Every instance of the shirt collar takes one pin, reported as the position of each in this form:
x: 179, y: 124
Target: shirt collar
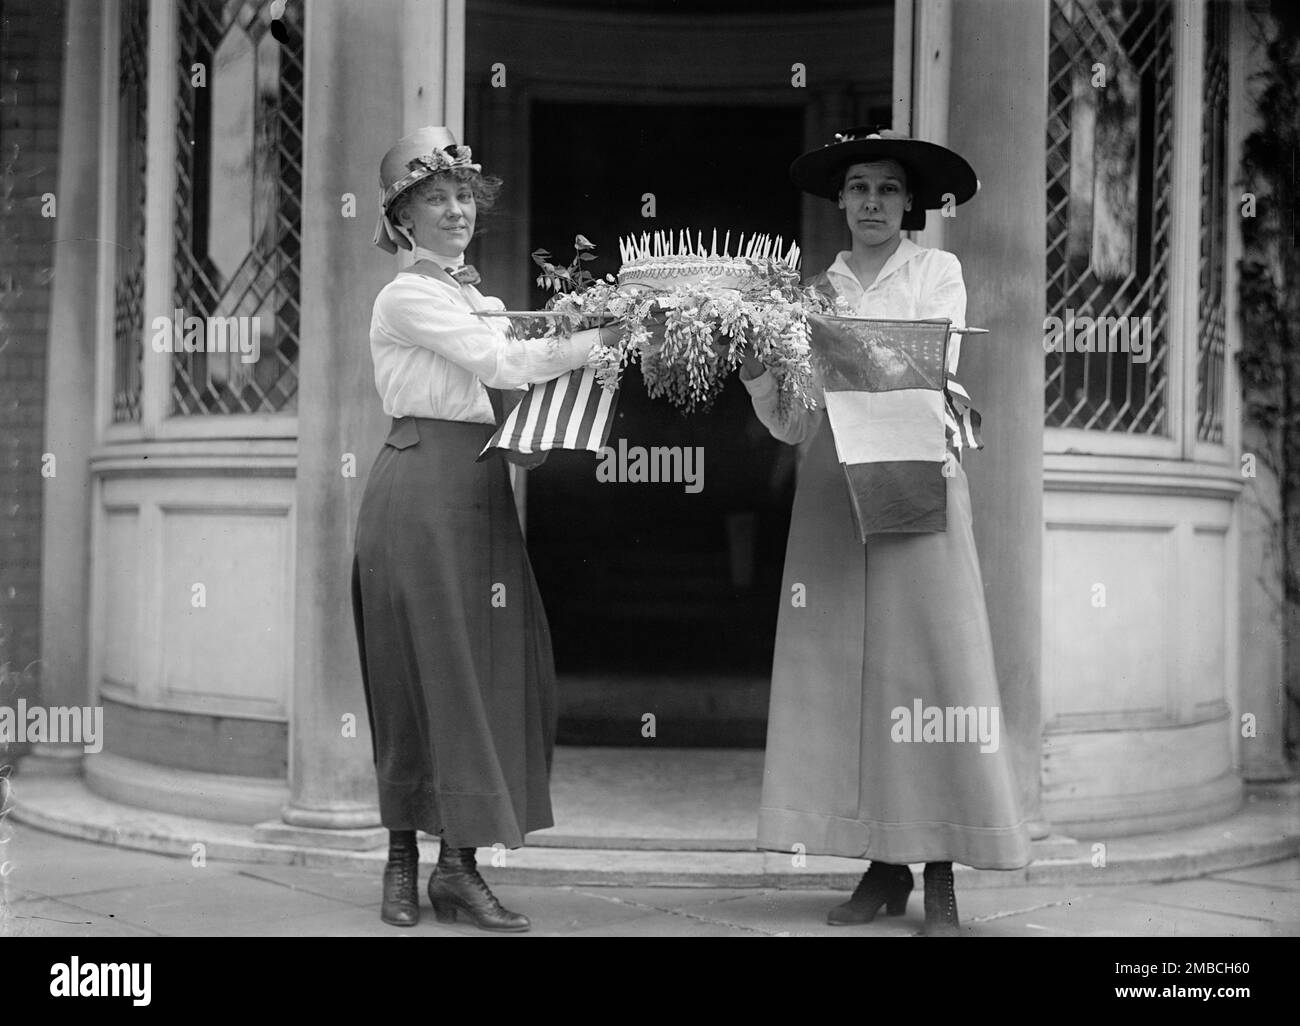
x: 442, y: 261
x: 906, y: 250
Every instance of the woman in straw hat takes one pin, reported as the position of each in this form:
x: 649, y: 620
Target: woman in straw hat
x: 897, y: 621
x: 455, y: 650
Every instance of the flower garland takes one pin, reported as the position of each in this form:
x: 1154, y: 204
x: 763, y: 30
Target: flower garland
x: 689, y: 338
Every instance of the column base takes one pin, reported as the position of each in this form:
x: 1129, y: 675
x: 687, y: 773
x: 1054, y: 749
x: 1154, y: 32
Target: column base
x: 1273, y: 787
x: 347, y: 839
x: 350, y: 827
x: 1278, y: 771
x: 1039, y: 828
x: 351, y: 816
x: 51, y: 760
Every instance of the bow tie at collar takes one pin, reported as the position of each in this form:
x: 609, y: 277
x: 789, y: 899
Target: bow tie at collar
x: 464, y: 275
x: 461, y: 272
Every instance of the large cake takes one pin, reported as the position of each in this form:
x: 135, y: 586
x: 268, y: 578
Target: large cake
x: 665, y: 261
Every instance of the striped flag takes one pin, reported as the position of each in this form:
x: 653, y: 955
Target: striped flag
x: 894, y: 412
x: 963, y: 420
x: 568, y: 412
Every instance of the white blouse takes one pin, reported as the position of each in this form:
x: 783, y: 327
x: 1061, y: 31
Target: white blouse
x: 433, y: 356
x: 915, y: 284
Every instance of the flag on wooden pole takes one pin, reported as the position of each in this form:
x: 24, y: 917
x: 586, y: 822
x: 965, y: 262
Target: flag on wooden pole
x: 569, y: 412
x: 894, y: 412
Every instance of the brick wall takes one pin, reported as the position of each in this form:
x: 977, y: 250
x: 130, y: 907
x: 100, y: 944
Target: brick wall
x: 31, y: 66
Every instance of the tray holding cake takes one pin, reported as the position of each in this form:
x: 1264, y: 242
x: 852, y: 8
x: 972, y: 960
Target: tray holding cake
x: 690, y: 308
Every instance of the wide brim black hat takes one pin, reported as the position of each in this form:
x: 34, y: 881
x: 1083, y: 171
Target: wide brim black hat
x: 933, y: 171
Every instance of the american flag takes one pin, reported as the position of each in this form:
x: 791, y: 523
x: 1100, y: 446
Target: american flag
x: 894, y: 413
x: 569, y: 412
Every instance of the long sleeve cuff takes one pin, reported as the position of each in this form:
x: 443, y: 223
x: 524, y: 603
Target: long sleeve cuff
x: 761, y: 387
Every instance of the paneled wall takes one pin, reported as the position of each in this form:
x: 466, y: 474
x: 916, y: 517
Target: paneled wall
x: 1138, y: 692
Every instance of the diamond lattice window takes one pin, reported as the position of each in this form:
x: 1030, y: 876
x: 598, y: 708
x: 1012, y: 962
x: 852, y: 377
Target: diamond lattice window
x: 128, y: 286
x: 1214, y: 198
x: 1109, y: 153
x: 238, y: 205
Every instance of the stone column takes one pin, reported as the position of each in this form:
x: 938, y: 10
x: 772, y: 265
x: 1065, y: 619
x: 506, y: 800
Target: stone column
x: 340, y: 421
x: 70, y: 428
x: 356, y: 106
x: 997, y: 120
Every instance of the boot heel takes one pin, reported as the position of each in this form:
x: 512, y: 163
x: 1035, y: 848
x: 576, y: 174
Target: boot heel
x: 896, y: 906
x: 444, y: 913
x: 456, y: 890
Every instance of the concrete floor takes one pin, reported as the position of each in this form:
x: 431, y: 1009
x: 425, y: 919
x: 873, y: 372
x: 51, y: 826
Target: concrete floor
x: 63, y: 887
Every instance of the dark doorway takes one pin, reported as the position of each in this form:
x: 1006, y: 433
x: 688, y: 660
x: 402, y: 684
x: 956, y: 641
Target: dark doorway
x: 662, y: 601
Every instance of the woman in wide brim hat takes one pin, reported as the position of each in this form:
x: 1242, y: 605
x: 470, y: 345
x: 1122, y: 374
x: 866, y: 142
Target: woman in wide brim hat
x: 898, y: 620
x: 936, y: 176
x: 455, y: 649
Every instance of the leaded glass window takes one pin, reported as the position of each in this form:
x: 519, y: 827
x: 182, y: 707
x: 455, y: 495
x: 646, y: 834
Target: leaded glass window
x: 128, y: 288
x: 238, y: 203
x: 1109, y: 157
x: 1214, y: 170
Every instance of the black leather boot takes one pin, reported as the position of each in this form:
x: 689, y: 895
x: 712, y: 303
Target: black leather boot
x: 456, y: 889
x: 882, y: 884
x: 940, y: 901
x: 401, y: 880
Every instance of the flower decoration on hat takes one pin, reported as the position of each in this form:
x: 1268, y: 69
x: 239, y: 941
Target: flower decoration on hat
x: 866, y: 132
x: 444, y: 160
x: 440, y: 161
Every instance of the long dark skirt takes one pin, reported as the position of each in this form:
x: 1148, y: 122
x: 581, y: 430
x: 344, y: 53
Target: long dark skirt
x: 455, y: 648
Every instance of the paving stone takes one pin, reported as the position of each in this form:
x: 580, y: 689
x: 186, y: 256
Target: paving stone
x: 664, y: 924
x: 1108, y: 916
x: 346, y: 922
x: 364, y: 889
x: 59, y: 867
x: 1273, y: 874
x: 48, y: 917
x: 207, y: 903
x: 560, y: 910
x: 801, y: 913
x: 1266, y: 903
x: 668, y: 898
